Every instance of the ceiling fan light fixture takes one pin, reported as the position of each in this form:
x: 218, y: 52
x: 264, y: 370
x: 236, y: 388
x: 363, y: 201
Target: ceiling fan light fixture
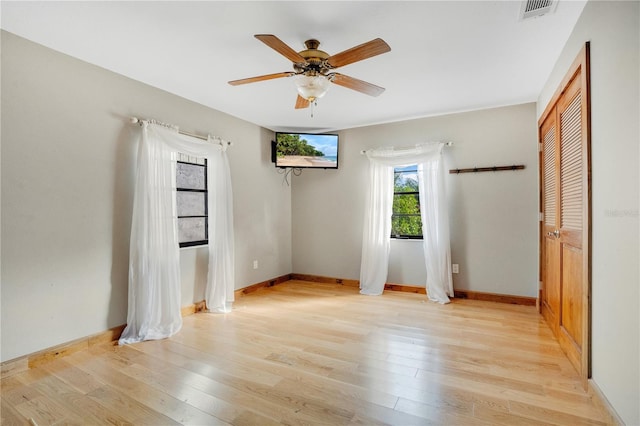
x: 312, y: 87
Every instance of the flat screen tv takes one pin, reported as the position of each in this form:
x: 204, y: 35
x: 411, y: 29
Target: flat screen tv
x: 304, y: 150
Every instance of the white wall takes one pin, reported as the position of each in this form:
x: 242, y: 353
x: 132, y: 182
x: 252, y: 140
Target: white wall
x: 613, y: 28
x: 67, y: 179
x: 493, y: 215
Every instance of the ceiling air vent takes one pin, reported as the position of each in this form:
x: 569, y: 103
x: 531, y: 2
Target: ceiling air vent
x: 535, y: 8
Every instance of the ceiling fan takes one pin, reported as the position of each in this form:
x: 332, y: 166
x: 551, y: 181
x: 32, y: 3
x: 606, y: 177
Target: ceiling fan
x: 313, y: 68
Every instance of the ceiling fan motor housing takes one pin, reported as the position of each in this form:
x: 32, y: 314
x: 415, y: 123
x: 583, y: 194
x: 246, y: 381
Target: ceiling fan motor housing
x: 316, y: 60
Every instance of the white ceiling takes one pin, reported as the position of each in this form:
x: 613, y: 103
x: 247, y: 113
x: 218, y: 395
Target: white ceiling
x: 445, y: 56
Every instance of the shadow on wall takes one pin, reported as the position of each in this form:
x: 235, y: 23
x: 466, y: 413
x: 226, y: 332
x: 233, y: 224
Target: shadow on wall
x: 457, y: 222
x: 123, y: 189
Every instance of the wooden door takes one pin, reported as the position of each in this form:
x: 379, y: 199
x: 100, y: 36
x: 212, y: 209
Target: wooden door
x: 550, y: 249
x: 565, y: 220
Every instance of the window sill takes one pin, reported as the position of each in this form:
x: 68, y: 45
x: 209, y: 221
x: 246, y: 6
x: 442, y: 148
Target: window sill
x: 194, y: 247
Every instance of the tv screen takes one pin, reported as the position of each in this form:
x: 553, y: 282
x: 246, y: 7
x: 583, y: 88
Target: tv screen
x: 303, y: 150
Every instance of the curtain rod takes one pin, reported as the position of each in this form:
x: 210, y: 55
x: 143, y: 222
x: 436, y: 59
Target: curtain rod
x: 449, y: 143
x: 136, y: 120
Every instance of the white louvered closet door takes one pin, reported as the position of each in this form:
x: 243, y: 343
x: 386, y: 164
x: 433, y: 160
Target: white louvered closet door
x: 564, y: 175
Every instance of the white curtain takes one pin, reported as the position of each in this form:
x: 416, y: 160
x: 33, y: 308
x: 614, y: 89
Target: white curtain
x: 376, y: 240
x: 154, y: 258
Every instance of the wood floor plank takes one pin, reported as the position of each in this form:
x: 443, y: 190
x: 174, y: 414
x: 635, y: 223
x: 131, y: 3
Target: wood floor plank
x: 249, y: 418
x: 532, y: 401
x: 109, y: 368
x: 439, y: 414
x: 77, y: 405
x: 582, y: 416
x: 303, y: 353
x: 15, y: 391
x: 135, y: 412
x: 498, y: 417
x: 42, y: 411
x: 226, y: 397
x: 78, y: 379
x: 9, y: 415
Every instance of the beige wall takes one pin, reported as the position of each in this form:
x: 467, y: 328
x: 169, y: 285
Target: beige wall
x: 493, y: 215
x: 613, y: 28
x: 67, y: 178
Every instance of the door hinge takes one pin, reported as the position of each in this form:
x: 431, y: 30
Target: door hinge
x: 539, y: 147
x: 540, y: 216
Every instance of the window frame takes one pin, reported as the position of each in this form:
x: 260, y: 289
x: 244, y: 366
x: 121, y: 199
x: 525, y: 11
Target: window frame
x: 407, y: 193
x: 205, y: 191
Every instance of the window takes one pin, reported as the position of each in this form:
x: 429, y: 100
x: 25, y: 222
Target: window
x: 405, y: 221
x: 191, y: 201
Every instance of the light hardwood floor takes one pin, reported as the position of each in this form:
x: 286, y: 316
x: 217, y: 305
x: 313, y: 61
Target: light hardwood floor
x: 308, y: 353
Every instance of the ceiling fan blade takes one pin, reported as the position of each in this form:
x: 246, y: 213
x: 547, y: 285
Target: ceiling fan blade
x: 279, y: 46
x: 355, y: 84
x: 261, y: 78
x: 301, y: 102
x: 364, y: 51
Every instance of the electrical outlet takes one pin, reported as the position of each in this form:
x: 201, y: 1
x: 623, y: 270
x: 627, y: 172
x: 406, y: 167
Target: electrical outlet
x: 455, y: 268
x: 255, y: 264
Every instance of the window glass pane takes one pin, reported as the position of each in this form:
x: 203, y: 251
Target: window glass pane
x: 191, y: 229
x: 405, y: 182
x: 406, y: 204
x: 406, y: 221
x: 190, y: 203
x: 406, y: 226
x: 190, y: 176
